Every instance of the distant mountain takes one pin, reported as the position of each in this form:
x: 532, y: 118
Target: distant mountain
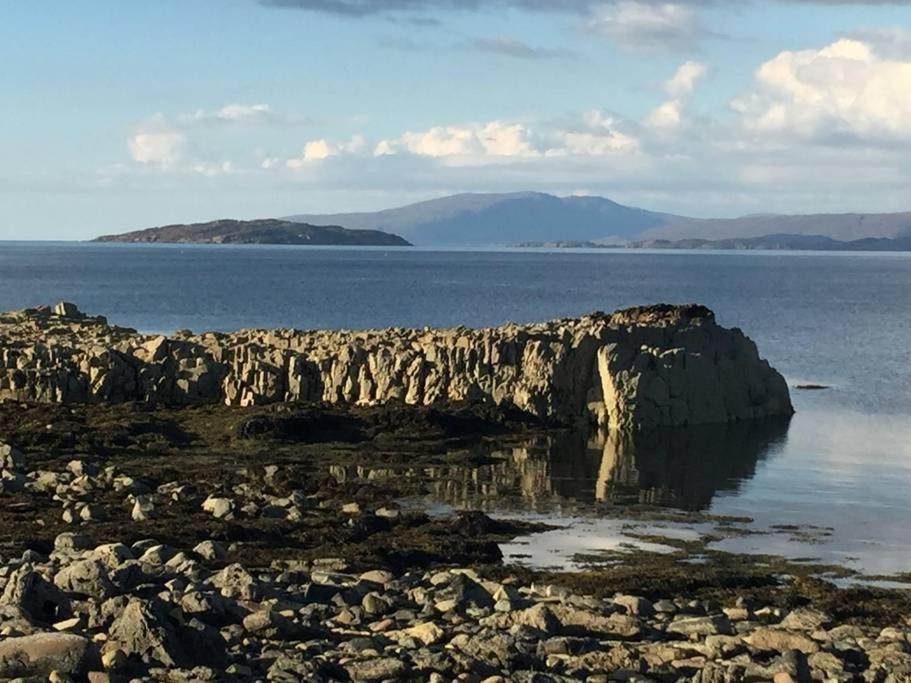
x: 499, y: 219
x: 267, y: 231
x: 766, y: 242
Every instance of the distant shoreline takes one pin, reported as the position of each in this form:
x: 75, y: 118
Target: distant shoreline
x: 765, y: 243
x: 484, y: 248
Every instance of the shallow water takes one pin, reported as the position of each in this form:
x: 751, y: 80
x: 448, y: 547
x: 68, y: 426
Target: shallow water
x: 841, y: 469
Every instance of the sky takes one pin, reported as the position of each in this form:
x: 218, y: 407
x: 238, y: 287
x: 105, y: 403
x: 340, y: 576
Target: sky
x: 123, y: 115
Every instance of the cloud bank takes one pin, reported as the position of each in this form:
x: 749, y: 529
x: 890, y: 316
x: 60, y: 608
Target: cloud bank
x: 811, y: 129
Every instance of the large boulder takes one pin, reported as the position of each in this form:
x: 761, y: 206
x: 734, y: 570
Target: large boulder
x: 43, y: 653
x: 32, y: 595
x: 148, y: 631
x: 86, y: 577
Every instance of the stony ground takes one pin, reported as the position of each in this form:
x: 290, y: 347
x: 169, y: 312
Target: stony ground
x: 211, y: 544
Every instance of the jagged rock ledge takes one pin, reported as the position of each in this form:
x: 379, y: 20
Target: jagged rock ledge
x: 638, y: 368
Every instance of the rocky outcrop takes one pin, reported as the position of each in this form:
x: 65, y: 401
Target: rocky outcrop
x: 633, y: 369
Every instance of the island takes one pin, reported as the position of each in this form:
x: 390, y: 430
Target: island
x: 264, y: 231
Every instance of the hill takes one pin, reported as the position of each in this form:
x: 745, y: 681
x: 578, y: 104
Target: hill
x: 499, y: 219
x: 844, y: 227
x: 267, y: 231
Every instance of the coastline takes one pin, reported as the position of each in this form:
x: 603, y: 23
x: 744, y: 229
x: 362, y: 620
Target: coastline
x: 275, y: 566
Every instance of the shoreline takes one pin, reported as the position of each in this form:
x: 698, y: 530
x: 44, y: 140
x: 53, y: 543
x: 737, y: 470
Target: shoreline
x: 302, y: 575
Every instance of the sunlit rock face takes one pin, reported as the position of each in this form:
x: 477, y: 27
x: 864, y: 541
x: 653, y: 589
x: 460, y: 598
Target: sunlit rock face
x: 634, y: 369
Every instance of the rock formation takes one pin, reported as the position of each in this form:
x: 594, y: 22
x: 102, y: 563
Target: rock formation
x: 634, y: 369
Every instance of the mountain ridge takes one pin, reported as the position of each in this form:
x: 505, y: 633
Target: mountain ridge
x: 476, y: 219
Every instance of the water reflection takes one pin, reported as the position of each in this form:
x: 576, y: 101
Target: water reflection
x: 685, y: 468
x: 682, y: 468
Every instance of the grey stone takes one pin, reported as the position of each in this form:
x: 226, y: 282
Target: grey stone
x: 378, y: 669
x: 701, y: 626
x: 87, y: 577
x: 42, y: 654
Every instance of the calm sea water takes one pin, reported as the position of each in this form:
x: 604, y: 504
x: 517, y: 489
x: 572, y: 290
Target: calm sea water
x: 841, y: 320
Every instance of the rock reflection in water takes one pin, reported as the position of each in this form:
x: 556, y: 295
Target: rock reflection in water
x: 683, y: 468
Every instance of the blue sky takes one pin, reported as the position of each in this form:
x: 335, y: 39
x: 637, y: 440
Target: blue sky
x: 124, y: 115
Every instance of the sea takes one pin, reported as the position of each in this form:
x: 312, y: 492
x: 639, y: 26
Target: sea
x: 833, y: 485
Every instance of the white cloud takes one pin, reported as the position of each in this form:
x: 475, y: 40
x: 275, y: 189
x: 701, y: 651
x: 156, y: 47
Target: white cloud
x: 244, y: 112
x: 891, y: 43
x: 320, y: 150
x: 233, y: 114
x: 385, y: 148
x: 500, y: 142
x: 594, y: 144
x: 472, y: 142
x: 211, y: 170
x: 647, y: 26
x: 775, y: 156
x: 356, y: 145
x: 156, y: 143
x: 668, y: 115
x: 315, y: 150
x: 684, y: 80
x: 845, y: 88
x: 596, y: 135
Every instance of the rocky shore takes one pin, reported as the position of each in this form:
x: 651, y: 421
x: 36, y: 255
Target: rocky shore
x: 631, y: 370
x: 210, y: 543
x: 149, y: 611
x: 168, y: 514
